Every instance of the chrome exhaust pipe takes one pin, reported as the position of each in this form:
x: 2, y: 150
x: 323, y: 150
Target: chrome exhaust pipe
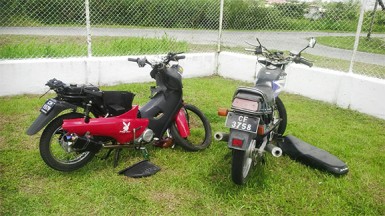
x: 220, y: 136
x: 274, y: 150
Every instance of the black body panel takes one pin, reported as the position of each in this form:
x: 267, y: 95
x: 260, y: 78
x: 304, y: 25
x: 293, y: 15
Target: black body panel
x: 166, y: 100
x: 161, y: 109
x: 43, y: 119
x: 269, y: 74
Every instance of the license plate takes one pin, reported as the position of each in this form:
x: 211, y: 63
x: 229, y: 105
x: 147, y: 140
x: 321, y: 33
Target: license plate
x: 47, y: 107
x: 242, y: 122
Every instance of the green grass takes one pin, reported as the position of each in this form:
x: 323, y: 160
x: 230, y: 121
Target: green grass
x: 199, y: 183
x: 12, y: 47
x: 372, y: 45
x: 343, y: 65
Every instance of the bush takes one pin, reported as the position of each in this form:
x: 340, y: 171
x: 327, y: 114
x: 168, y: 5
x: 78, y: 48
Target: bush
x: 292, y: 9
x: 342, y: 11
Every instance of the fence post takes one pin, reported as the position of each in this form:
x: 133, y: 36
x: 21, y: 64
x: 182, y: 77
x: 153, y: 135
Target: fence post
x: 88, y: 27
x: 372, y: 21
x: 220, y: 26
x: 219, y: 37
x: 358, y: 32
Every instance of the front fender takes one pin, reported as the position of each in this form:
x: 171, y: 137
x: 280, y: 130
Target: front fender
x: 182, y: 124
x: 43, y: 119
x: 238, y: 135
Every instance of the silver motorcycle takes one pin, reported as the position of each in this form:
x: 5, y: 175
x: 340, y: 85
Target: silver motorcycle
x: 257, y: 118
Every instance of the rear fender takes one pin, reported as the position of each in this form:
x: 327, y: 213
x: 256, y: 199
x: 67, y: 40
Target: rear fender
x: 182, y: 124
x: 246, y: 138
x: 43, y: 119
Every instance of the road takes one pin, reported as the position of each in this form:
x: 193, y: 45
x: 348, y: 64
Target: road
x: 273, y: 40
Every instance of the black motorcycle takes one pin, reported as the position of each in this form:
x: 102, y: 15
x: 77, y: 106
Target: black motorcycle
x: 257, y: 118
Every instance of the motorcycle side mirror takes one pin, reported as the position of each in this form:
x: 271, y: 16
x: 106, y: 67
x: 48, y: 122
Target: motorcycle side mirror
x: 312, y: 42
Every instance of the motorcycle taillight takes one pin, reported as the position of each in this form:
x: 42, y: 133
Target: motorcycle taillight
x: 240, y: 103
x: 237, y: 142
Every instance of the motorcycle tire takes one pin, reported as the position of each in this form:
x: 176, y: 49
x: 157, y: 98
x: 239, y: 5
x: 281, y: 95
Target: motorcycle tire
x: 200, y: 130
x: 242, y: 163
x: 52, y: 152
x: 280, y: 107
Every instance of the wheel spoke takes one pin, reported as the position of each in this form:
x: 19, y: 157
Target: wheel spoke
x: 56, y: 152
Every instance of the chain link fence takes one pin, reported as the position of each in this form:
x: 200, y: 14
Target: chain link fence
x: 350, y: 34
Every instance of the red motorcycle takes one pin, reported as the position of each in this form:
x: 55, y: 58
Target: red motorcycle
x: 109, y: 120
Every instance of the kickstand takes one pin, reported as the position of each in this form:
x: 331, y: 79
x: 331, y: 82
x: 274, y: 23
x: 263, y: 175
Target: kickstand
x: 107, y: 155
x: 145, y: 153
x: 117, y: 156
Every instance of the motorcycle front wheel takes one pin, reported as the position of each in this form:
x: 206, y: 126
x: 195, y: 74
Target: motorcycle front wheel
x: 200, y: 130
x: 241, y: 164
x: 54, y: 150
x: 280, y: 113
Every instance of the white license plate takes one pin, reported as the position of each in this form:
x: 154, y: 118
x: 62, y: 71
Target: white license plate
x: 242, y: 122
x: 47, y: 107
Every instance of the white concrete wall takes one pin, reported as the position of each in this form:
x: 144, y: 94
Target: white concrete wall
x: 345, y: 90
x: 30, y: 76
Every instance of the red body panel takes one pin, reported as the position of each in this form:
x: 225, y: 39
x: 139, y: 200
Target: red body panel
x: 121, y: 128
x: 182, y: 124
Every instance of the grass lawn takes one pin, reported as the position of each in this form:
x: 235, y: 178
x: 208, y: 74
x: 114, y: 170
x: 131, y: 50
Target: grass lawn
x: 199, y: 183
x: 372, y: 45
x: 19, y: 46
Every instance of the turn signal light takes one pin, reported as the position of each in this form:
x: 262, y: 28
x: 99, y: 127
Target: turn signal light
x: 261, y: 130
x: 223, y: 111
x: 237, y: 142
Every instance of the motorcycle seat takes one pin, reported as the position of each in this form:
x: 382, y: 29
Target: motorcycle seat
x: 267, y: 90
x: 312, y: 156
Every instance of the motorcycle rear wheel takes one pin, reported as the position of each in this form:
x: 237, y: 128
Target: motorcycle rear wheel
x: 200, y: 130
x: 52, y: 152
x: 241, y: 164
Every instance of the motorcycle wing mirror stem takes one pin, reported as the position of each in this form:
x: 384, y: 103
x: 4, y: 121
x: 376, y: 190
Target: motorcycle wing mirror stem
x: 311, y: 44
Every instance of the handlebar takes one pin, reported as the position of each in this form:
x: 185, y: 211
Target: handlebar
x: 305, y: 62
x: 277, y: 57
x: 165, y: 60
x: 180, y: 57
